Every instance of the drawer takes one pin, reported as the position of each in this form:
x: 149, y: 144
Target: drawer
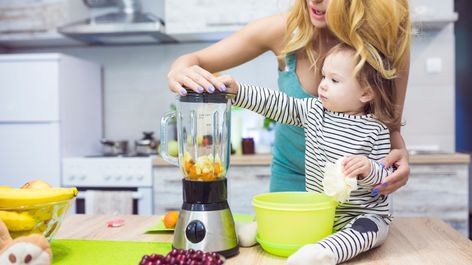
x: 244, y: 183
x: 167, y: 201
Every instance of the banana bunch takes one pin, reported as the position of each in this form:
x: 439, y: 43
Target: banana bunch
x: 17, y: 221
x: 34, y: 208
x: 11, y: 197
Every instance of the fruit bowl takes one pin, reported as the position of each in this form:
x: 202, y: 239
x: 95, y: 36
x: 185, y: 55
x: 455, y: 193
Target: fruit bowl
x: 38, y: 210
x: 42, y: 219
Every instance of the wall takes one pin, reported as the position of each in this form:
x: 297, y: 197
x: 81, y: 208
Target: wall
x: 135, y: 79
x: 429, y: 107
x: 136, y: 93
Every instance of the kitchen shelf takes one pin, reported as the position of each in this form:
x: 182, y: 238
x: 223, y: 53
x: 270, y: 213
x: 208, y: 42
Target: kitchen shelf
x: 53, y: 38
x: 433, y: 23
x: 200, y: 36
x: 36, y: 39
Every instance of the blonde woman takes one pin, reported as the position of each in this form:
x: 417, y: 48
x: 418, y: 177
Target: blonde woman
x: 376, y: 29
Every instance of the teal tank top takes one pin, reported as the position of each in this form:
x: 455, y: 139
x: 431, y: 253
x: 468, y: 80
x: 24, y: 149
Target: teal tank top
x: 288, y: 162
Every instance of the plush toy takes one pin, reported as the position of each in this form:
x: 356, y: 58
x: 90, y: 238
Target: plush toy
x: 26, y: 250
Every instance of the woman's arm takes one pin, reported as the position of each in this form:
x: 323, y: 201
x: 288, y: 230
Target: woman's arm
x: 399, y: 154
x: 194, y: 70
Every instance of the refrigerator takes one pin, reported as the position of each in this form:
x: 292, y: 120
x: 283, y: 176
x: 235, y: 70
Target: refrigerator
x: 50, y: 108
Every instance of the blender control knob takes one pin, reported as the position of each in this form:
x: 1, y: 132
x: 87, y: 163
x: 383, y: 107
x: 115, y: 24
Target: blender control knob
x: 195, y: 231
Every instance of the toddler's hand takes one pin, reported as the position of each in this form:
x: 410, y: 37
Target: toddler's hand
x: 356, y: 166
x: 246, y: 233
x: 231, y: 85
x: 336, y: 183
x: 312, y: 254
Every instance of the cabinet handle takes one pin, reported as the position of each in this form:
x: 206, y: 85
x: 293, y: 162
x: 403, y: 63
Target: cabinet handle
x: 169, y: 209
x: 176, y: 181
x: 434, y: 173
x: 226, y: 24
x: 136, y: 195
x: 262, y: 176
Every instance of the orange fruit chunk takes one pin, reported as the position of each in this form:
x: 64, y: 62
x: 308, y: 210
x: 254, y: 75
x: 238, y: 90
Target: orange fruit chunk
x: 170, y: 219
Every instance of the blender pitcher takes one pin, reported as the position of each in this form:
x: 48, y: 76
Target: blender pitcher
x: 203, y: 139
x: 204, y: 147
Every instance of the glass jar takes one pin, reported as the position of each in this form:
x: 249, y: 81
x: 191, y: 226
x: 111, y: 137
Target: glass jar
x: 203, y: 131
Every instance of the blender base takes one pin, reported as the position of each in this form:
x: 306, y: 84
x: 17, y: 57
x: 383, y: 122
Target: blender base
x: 207, y: 230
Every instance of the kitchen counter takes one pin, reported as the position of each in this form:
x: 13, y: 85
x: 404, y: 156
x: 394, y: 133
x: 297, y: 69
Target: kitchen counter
x: 412, y: 240
x: 266, y: 159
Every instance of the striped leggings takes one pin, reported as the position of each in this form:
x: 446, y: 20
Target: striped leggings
x: 361, y: 234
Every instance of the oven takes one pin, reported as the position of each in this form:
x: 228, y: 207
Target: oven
x: 132, y: 176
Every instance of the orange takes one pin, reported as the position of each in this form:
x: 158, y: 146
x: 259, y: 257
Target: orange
x: 170, y: 219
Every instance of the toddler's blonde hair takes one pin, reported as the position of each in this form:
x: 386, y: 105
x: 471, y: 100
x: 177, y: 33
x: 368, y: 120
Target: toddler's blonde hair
x: 382, y: 106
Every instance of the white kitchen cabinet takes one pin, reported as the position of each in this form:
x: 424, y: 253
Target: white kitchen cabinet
x: 439, y: 190
x: 190, y: 20
x: 243, y: 183
x: 167, y: 189
x: 33, y: 23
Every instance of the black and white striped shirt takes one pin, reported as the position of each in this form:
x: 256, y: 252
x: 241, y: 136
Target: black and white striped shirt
x: 329, y: 136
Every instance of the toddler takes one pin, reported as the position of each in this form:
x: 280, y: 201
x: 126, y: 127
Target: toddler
x: 349, y: 119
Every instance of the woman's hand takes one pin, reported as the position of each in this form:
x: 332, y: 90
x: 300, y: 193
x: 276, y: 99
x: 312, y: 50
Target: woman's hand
x: 356, y: 166
x: 194, y: 78
x: 400, y: 159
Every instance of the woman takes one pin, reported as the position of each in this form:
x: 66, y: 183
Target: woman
x: 298, y: 39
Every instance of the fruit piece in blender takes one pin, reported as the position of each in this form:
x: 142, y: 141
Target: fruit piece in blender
x: 206, y: 167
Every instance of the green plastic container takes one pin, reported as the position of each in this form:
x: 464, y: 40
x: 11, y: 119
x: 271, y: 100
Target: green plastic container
x: 288, y: 220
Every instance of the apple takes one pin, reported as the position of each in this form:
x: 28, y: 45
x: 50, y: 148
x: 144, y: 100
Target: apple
x: 173, y: 148
x: 36, y: 184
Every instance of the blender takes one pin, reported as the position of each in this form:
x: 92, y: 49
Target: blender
x: 203, y: 135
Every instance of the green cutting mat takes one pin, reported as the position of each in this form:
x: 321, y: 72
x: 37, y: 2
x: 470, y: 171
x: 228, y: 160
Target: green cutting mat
x: 80, y: 252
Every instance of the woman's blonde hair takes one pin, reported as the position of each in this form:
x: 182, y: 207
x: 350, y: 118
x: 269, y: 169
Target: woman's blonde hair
x: 376, y: 29
x: 300, y: 31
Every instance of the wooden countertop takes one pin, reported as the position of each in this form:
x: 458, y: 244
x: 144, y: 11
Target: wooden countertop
x: 266, y: 159
x: 412, y: 240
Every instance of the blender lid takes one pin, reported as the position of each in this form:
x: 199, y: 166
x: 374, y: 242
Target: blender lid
x: 205, y: 97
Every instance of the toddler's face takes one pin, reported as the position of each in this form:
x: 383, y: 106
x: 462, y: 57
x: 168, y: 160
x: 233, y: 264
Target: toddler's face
x: 339, y: 90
